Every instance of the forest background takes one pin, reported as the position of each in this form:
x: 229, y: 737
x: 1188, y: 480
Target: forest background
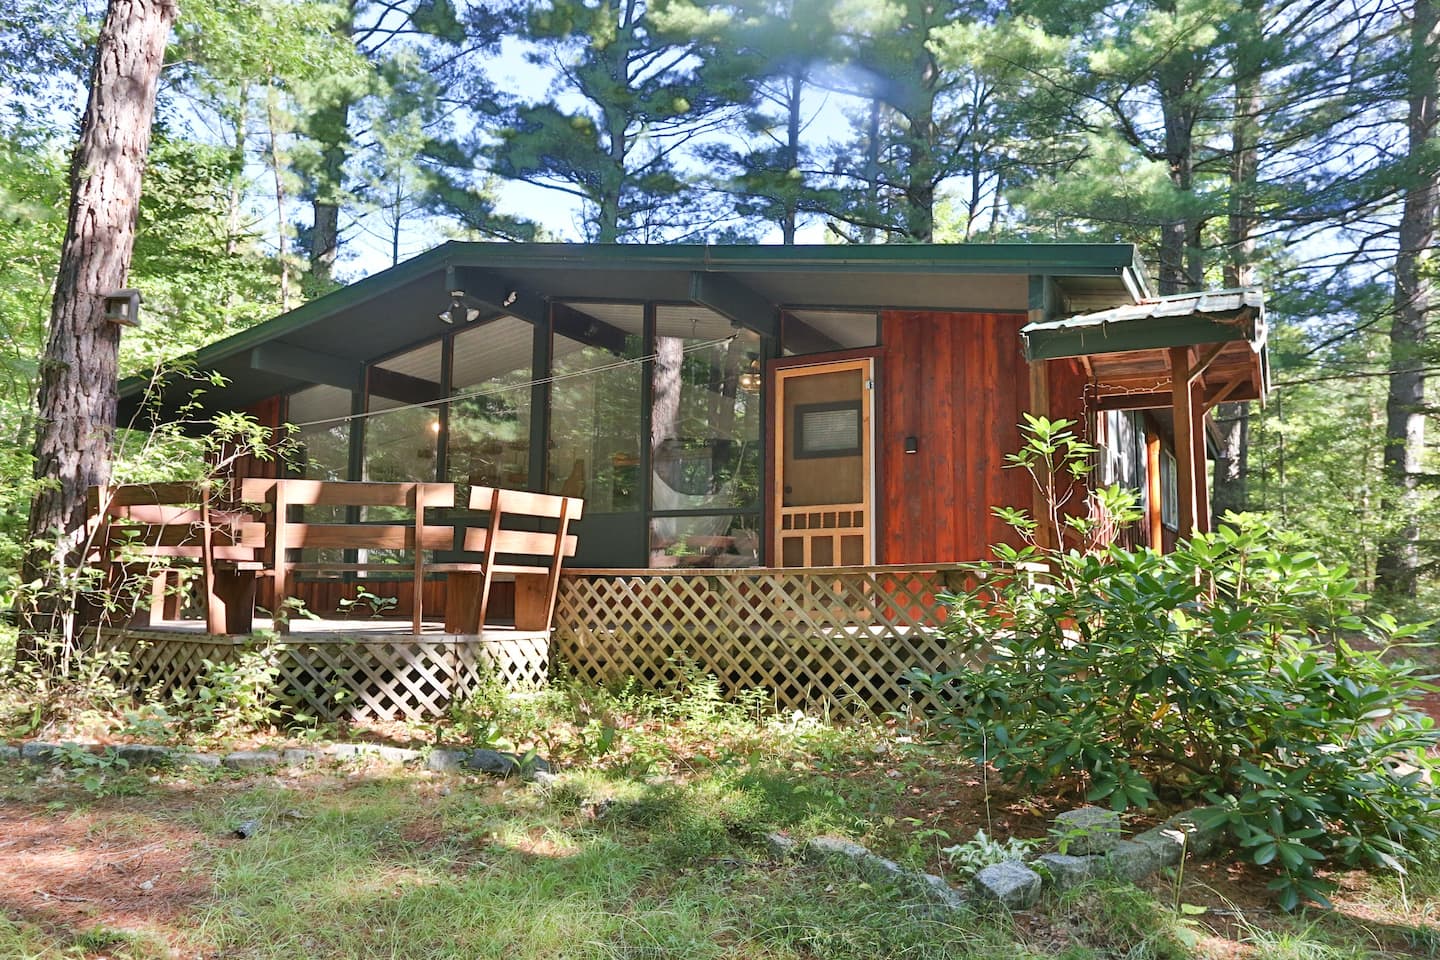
x: 301, y: 144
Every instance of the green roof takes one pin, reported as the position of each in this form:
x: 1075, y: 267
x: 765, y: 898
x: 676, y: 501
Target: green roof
x: 1182, y: 320
x: 396, y: 308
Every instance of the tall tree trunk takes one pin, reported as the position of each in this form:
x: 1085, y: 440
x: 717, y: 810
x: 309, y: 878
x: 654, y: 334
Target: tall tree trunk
x: 78, y: 379
x: 872, y: 168
x: 1179, y: 231
x: 272, y: 119
x: 235, y: 201
x: 1233, y: 419
x: 794, y: 87
x: 1397, y: 566
x: 331, y: 127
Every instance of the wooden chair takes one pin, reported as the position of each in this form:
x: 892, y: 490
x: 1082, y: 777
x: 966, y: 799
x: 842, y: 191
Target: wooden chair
x: 416, y: 534
x: 531, y: 558
x: 159, y: 530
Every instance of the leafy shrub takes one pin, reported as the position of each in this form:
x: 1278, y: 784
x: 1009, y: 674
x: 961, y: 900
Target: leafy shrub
x: 1235, y: 670
x: 230, y: 697
x: 979, y: 852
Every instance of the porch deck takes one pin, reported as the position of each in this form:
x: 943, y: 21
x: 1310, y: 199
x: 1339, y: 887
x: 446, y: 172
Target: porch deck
x: 833, y: 640
x: 334, y: 669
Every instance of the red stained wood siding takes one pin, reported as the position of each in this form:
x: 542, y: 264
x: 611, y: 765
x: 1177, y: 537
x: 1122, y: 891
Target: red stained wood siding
x: 267, y: 413
x: 958, y: 383
x: 322, y: 597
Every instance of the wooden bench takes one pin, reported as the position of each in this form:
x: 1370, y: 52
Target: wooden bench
x: 415, y: 534
x: 531, y: 558
x: 155, y: 531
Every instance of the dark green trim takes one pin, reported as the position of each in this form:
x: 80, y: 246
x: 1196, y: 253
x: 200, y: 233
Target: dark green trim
x: 447, y: 390
x: 540, y: 372
x: 307, y: 366
x: 647, y: 425
x: 312, y: 312
x: 491, y: 259
x: 1054, y: 341
x: 735, y: 301
x: 499, y: 294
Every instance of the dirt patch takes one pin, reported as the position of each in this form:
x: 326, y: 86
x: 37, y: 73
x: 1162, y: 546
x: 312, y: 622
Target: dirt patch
x: 114, y: 865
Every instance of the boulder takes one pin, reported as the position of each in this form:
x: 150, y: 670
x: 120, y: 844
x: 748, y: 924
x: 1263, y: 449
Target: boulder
x: 1131, y: 861
x: 250, y: 760
x: 1011, y: 884
x: 1066, y: 871
x: 1086, y: 830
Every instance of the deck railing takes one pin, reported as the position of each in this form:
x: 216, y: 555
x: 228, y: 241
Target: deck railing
x: 835, y: 640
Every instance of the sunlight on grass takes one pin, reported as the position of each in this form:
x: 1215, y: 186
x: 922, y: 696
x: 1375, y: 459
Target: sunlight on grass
x: 649, y: 845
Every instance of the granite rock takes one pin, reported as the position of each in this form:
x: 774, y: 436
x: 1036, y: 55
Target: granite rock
x: 1086, y: 830
x: 1011, y: 884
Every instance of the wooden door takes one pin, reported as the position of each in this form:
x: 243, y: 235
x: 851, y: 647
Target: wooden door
x: 823, y: 501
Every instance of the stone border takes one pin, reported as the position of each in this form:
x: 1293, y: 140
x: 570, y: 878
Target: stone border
x: 440, y: 760
x: 1093, y: 834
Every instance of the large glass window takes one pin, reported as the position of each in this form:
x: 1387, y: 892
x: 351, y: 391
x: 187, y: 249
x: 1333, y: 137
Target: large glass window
x: 489, y: 421
x: 595, y: 405
x: 704, y: 440
x: 322, y: 416
x: 403, y: 427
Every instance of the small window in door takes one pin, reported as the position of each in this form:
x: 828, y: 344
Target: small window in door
x: 827, y: 430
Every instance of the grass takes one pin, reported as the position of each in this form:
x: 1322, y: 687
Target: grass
x: 651, y: 845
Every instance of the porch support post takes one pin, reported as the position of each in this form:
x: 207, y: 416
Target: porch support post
x: 1181, y: 396
x: 1153, y: 507
x: 1202, y: 475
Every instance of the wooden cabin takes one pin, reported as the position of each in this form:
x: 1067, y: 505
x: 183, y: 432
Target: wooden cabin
x: 745, y: 410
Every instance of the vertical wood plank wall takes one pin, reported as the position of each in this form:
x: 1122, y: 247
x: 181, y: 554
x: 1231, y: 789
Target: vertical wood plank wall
x: 958, y: 383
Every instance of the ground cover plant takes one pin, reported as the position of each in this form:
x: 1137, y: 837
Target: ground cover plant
x: 1238, y: 670
x: 650, y: 844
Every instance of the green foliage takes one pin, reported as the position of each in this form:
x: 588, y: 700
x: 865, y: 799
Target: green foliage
x: 95, y: 770
x: 1124, y: 921
x: 1236, y: 670
x: 230, y: 698
x: 969, y: 858
x: 367, y: 603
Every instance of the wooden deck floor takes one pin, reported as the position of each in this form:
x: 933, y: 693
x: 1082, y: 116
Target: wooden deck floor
x: 339, y: 629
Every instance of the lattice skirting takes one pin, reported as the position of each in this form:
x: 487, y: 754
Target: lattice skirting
x: 358, y: 678
x: 838, y: 641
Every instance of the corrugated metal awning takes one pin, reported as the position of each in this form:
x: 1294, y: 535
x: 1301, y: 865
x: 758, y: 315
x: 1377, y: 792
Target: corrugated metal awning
x: 1182, y: 320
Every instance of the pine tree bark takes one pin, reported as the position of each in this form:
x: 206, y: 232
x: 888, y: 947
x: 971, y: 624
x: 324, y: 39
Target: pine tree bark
x: 331, y: 127
x: 1397, y: 566
x: 1231, y: 491
x: 78, y: 379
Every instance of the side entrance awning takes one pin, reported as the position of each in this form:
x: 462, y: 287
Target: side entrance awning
x: 1129, y: 353
x: 1184, y: 353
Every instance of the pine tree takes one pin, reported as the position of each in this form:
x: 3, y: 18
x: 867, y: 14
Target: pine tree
x: 1399, y: 561
x: 78, y: 378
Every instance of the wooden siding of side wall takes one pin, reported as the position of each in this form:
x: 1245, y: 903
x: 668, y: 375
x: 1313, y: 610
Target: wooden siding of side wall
x: 958, y: 383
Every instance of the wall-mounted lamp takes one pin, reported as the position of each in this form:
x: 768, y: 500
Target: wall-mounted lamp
x: 123, y: 307
x: 912, y: 444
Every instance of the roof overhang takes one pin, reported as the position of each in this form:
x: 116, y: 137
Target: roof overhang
x: 329, y: 340
x: 1128, y: 354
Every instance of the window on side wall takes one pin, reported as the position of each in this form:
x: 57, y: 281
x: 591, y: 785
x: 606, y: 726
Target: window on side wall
x: 1169, y: 491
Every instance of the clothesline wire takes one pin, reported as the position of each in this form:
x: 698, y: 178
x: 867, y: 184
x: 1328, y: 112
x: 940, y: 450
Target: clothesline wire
x: 509, y: 388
